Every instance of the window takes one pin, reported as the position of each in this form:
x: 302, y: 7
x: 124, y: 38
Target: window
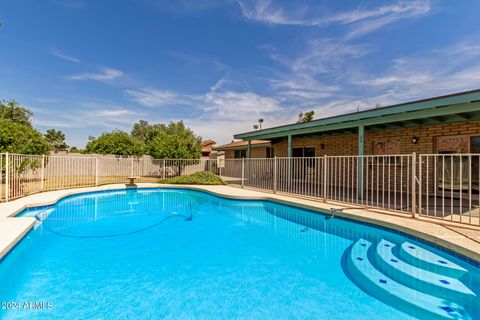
x: 239, y: 154
x: 306, y: 152
x: 270, y: 153
x: 455, y: 169
x: 309, y: 152
x: 475, y: 144
x: 297, y: 152
x: 475, y: 148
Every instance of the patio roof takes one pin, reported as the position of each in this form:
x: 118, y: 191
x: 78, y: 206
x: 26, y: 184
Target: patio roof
x: 462, y: 106
x: 236, y: 145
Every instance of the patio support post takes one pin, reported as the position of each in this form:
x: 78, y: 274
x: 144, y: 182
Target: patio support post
x: 289, y: 145
x: 289, y: 173
x: 361, y: 153
x: 249, y: 149
x: 414, y: 184
x: 7, y: 176
x: 42, y: 183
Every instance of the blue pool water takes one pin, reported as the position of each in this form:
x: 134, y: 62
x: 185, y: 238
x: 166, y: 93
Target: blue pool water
x: 179, y: 254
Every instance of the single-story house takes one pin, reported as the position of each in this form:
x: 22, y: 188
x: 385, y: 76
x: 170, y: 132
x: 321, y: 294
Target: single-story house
x: 239, y: 149
x: 445, y: 124
x: 207, y: 148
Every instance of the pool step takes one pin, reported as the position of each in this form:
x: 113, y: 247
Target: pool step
x: 418, y: 278
x: 360, y: 269
x: 424, y: 259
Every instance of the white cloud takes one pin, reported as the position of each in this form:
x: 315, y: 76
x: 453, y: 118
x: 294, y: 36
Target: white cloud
x: 324, y: 56
x: 324, y: 77
x: 89, y: 113
x: 332, y: 78
x: 87, y: 117
x: 222, y: 131
x: 215, y: 104
x: 51, y: 123
x: 149, y: 97
x: 105, y: 74
x: 388, y: 15
x: 425, y: 75
x: 114, y: 114
x: 315, y: 73
x: 401, y: 9
x: 238, y: 106
x: 218, y: 85
x: 64, y: 56
x: 361, y: 21
x: 217, y: 113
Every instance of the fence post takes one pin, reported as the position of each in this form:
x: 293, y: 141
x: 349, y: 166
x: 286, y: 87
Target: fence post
x: 1, y: 176
x: 243, y: 172
x: 414, y: 184
x: 360, y: 173
x: 275, y: 174
x: 42, y: 183
x: 96, y: 172
x: 7, y: 176
x: 131, y: 167
x: 325, y: 177
x: 164, y: 169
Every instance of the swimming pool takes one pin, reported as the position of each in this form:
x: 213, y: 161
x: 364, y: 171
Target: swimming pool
x: 183, y: 254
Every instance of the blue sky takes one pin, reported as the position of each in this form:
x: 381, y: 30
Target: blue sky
x: 86, y: 66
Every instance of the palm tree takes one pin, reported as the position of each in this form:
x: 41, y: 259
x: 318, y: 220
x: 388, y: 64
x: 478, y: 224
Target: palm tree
x: 260, y: 121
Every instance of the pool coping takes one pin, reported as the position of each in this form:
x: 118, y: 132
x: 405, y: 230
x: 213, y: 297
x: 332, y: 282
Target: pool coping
x: 439, y: 233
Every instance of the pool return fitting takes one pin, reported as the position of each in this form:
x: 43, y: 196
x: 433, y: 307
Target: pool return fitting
x: 333, y: 211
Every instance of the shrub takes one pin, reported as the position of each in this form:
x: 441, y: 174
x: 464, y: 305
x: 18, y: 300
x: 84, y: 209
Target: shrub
x: 205, y: 178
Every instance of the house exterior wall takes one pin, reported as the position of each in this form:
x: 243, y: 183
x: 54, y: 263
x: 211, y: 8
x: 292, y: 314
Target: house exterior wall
x: 257, y: 152
x: 347, y: 144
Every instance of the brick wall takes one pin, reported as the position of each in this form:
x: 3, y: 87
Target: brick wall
x: 347, y: 144
x: 257, y: 152
x: 333, y: 145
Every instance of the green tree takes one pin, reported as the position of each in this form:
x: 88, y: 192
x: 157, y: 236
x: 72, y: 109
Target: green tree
x: 56, y: 139
x: 20, y: 138
x: 12, y: 110
x: 306, y: 117
x: 141, y: 129
x: 116, y: 142
x: 173, y: 141
x: 75, y: 150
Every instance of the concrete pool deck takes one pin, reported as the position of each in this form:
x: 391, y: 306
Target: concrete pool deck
x: 463, y: 239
